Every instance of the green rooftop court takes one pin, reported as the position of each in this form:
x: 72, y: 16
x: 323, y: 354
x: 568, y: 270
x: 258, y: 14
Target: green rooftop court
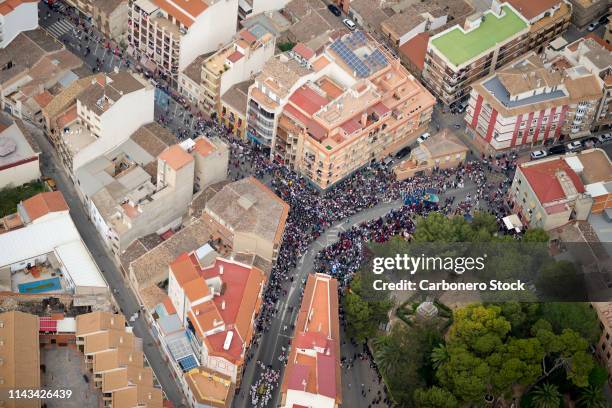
x: 459, y: 47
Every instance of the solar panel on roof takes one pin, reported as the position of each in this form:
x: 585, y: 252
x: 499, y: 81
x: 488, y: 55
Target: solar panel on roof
x: 188, y: 363
x: 350, y: 58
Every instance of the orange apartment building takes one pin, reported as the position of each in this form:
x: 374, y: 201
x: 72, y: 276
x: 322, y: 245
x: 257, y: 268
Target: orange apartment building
x: 355, y: 104
x: 312, y: 377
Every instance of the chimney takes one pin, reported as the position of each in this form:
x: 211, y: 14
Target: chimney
x: 223, y: 305
x: 221, y: 269
x: 197, y: 312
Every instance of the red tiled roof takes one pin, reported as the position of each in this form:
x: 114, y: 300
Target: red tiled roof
x: 248, y: 36
x: 415, y: 49
x: 303, y: 51
x: 175, y: 157
x: 317, y: 131
x: 170, y: 309
x: 543, y: 180
x: 183, y: 269
x: 43, y: 98
x: 235, y: 56
x: 326, y: 374
x: 68, y: 117
x: 532, y: 8
x: 44, y: 203
x: 380, y: 109
x: 308, y: 100
x: 9, y: 5
x: 185, y: 11
x: 290, y: 109
x: 351, y: 126
x: 599, y: 40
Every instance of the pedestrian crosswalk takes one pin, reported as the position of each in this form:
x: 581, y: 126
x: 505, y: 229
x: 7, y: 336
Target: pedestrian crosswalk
x: 60, y: 28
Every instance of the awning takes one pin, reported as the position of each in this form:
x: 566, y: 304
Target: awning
x: 512, y: 222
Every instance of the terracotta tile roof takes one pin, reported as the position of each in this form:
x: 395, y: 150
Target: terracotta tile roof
x: 44, y: 203
x: 67, y: 118
x: 308, y: 100
x: 530, y: 8
x: 542, y: 177
x: 183, y: 269
x: 204, y: 147
x: 185, y: 11
x: 175, y: 157
x: 43, y: 98
x: 318, y: 331
x: 235, y: 56
x: 196, y: 289
x: 169, y: 306
x: 415, y: 49
x: 9, y: 5
x: 303, y: 51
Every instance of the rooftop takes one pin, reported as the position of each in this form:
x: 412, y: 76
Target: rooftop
x: 236, y: 97
x: 210, y: 387
x: 548, y: 179
x: 491, y: 31
x: 314, y: 363
x: 280, y: 75
x: 176, y: 157
x: 42, y: 204
x: 248, y: 206
x: 20, y: 356
x: 531, y: 9
x: 185, y: 11
x: 101, y: 94
x: 444, y: 143
x: 15, y: 147
x: 415, y: 49
x: 7, y: 6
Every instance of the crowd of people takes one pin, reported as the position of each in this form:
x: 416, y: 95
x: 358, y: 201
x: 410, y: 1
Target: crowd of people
x: 261, y: 390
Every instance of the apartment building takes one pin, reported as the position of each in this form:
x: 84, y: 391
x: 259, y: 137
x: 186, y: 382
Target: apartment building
x: 586, y: 11
x: 141, y: 187
x: 594, y: 54
x: 115, y: 357
x: 16, y: 16
x: 489, y: 41
x: 207, y: 388
x: 19, y: 156
x: 236, y: 62
x: 531, y: 102
x: 608, y: 32
x: 603, y: 350
x: 20, y: 356
x: 312, y: 376
x: 552, y: 192
x: 106, y: 113
x: 233, y: 113
x: 218, y: 304
x: 329, y: 114
x: 171, y: 34
x: 111, y: 17
x: 247, y: 217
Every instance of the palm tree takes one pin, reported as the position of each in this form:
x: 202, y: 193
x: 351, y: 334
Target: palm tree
x: 546, y: 396
x: 387, y: 355
x: 591, y: 397
x: 439, y: 356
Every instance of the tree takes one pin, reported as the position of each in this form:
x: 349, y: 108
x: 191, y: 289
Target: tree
x: 480, y: 328
x: 579, y: 317
x: 439, y: 356
x: 560, y: 281
x: 434, y: 397
x: 484, y: 221
x: 591, y: 397
x: 358, y: 314
x: 546, y: 396
x: 535, y: 235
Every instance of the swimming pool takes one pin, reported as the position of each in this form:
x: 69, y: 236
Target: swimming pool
x: 41, y: 286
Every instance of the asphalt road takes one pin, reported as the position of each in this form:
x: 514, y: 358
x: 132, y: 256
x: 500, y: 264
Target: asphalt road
x: 51, y: 166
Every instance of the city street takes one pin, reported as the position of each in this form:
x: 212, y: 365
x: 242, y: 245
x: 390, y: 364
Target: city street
x: 51, y: 166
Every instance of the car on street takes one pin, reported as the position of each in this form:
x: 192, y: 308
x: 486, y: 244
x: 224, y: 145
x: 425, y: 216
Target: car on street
x: 593, y: 26
x: 606, y: 137
x: 423, y: 138
x: 603, y: 19
x: 559, y: 149
x: 334, y: 10
x: 538, y: 154
x: 350, y: 24
x: 403, y: 152
x: 574, y: 146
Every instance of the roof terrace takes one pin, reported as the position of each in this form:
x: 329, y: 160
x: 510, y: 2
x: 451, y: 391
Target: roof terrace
x: 491, y: 30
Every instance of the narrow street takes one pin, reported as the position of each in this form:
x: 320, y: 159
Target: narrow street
x: 51, y: 166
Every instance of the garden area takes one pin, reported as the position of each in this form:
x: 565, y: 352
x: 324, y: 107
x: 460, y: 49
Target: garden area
x: 11, y: 196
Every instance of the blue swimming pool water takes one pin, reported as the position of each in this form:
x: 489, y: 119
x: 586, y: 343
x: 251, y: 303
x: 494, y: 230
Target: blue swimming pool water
x: 41, y: 286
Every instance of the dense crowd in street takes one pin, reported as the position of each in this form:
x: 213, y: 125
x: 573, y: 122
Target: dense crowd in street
x: 261, y: 390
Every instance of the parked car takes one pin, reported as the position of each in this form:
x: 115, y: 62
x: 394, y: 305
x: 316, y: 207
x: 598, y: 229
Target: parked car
x: 350, y: 24
x: 603, y: 19
x: 334, y: 10
x: 403, y: 152
x: 589, y: 141
x: 574, y: 146
x: 606, y: 137
x: 559, y: 149
x: 538, y: 154
x: 593, y: 26
x: 423, y: 138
